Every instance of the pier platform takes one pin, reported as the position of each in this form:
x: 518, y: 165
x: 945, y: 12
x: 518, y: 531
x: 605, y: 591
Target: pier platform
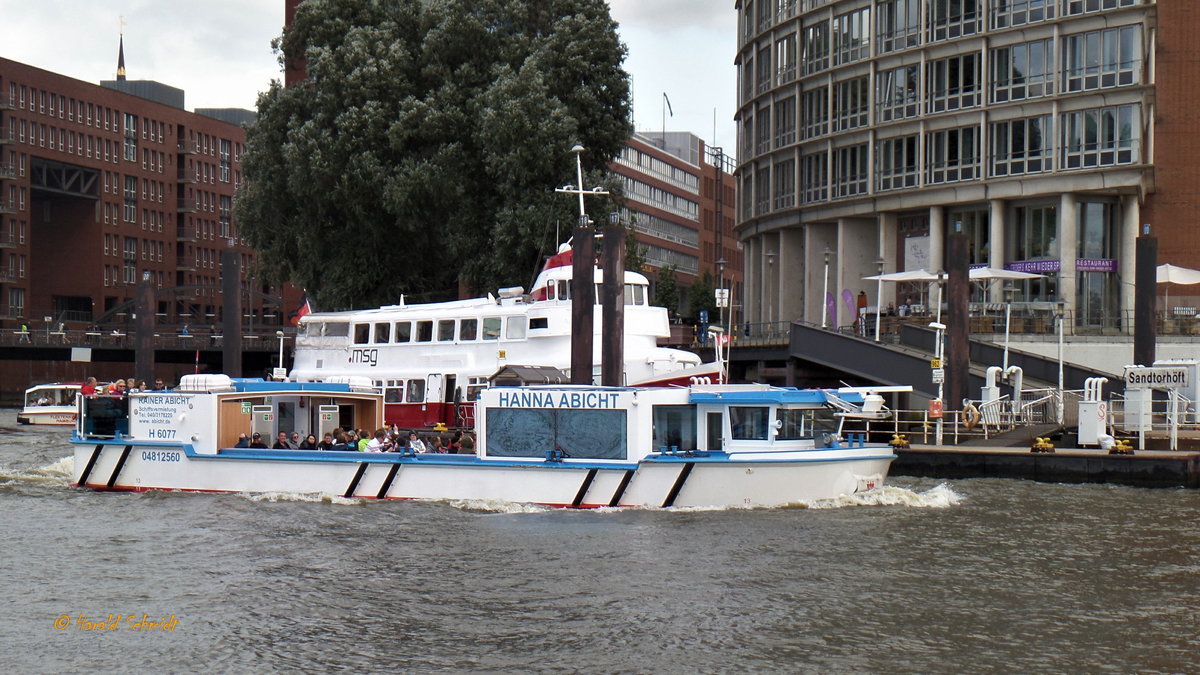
x: 1144, y: 468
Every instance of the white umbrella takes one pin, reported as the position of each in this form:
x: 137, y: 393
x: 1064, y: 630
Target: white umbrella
x: 909, y: 275
x: 985, y: 273
x: 1167, y: 273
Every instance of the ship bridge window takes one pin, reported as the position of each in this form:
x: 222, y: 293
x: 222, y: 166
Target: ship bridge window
x: 564, y: 289
x: 748, y: 423
x: 337, y: 329
x: 805, y: 423
x: 468, y: 329
x: 675, y: 427
x: 474, y: 386
x: 491, y: 328
x: 362, y: 333
x: 635, y: 294
x: 581, y: 434
x: 393, y: 391
x: 424, y: 331
x: 403, y: 331
x: 550, y: 291
x: 416, y: 391
x: 517, y: 325
x: 382, y: 331
x: 539, y: 322
x: 446, y: 330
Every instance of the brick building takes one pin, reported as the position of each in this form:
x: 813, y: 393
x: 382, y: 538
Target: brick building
x: 104, y: 185
x: 1047, y: 132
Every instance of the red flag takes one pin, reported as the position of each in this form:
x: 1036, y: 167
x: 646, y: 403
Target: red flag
x: 302, y: 311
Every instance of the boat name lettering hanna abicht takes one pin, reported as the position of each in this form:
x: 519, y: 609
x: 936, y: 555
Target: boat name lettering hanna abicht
x: 549, y: 399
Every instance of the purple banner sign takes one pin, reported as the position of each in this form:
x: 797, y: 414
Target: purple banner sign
x: 1095, y: 265
x: 1033, y: 266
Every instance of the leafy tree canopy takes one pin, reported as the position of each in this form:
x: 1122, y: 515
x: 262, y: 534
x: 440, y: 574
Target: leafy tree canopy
x: 666, y: 291
x: 425, y: 146
x: 703, y: 297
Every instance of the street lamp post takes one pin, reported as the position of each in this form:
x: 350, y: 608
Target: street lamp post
x: 879, y: 297
x: 771, y: 290
x: 1062, y: 318
x: 722, y: 298
x: 280, y: 372
x: 825, y: 293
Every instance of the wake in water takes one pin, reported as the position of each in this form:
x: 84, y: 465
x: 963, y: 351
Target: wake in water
x: 938, y: 497
x: 57, y: 474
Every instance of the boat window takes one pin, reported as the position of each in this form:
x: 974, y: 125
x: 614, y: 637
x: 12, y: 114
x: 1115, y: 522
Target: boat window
x: 550, y: 290
x: 446, y: 330
x: 362, y: 333
x: 491, y: 328
x: 381, y: 333
x: 748, y: 423
x: 337, y: 329
x: 424, y: 331
x: 403, y: 331
x: 581, y: 434
x: 416, y: 391
x: 393, y: 391
x: 806, y: 423
x: 516, y: 327
x: 564, y: 289
x: 468, y: 329
x: 474, y: 386
x: 639, y: 294
x: 303, y: 327
x: 538, y: 322
x: 674, y: 427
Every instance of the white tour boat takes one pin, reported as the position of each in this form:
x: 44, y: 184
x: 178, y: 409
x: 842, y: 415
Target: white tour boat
x: 569, y: 446
x: 430, y: 360
x: 50, y: 404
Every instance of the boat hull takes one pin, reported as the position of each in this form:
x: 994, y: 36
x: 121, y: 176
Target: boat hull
x: 61, y: 416
x: 710, y: 480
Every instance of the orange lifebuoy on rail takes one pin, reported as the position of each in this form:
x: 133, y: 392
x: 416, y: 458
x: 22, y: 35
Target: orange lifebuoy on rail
x: 971, y: 413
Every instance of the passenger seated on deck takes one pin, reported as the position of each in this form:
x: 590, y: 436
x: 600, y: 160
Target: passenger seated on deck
x: 295, y: 440
x: 309, y: 443
x: 243, y: 441
x: 281, y: 442
x: 415, y: 442
x: 379, y: 442
x: 341, y: 441
x: 326, y: 442
x: 256, y: 441
x: 468, y: 445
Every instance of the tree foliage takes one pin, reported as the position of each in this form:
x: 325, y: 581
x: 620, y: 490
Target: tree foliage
x: 425, y: 146
x: 666, y: 292
x: 703, y: 298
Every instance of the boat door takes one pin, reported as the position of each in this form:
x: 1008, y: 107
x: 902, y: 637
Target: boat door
x: 715, y: 423
x: 433, y: 399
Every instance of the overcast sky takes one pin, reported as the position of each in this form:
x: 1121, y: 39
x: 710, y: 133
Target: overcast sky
x: 219, y: 52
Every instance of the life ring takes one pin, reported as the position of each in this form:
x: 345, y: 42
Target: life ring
x: 972, y: 414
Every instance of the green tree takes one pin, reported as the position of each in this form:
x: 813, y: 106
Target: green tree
x: 666, y: 292
x: 702, y: 297
x: 424, y: 146
x: 635, y: 253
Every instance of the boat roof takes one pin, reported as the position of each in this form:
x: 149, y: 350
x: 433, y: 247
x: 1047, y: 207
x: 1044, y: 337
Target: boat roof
x: 255, y: 385
x: 767, y: 396
x: 56, y: 385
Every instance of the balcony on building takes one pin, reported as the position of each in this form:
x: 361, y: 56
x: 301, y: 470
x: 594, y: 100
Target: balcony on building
x: 187, y: 233
x: 8, y: 206
x: 185, y: 148
x: 185, y: 264
x: 8, y: 172
x: 187, y: 206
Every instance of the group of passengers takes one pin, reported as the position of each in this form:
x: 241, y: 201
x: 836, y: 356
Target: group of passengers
x: 360, y: 440
x: 119, y: 387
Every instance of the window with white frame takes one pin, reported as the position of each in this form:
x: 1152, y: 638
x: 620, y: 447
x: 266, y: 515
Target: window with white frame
x: 785, y: 58
x: 1086, y: 6
x: 762, y: 190
x: 953, y: 83
x: 949, y: 19
x: 952, y: 155
x: 1023, y: 71
x: 762, y: 134
x: 763, y: 76
x: 785, y: 184
x: 814, y: 177
x: 897, y: 94
x: 897, y: 25
x: 1101, y: 59
x: 1101, y: 136
x: 852, y: 36
x: 1008, y: 13
x: 815, y: 52
x: 814, y: 113
x: 850, y: 170
x: 896, y: 163
x: 785, y: 121
x: 850, y: 101
x: 1022, y: 146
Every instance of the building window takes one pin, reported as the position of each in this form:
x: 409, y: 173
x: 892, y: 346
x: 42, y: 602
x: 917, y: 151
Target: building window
x: 850, y: 171
x: 852, y: 36
x: 1085, y: 6
x: 898, y: 96
x: 949, y: 19
x: 16, y: 302
x: 763, y: 73
x: 1023, y: 71
x: 897, y: 25
x: 850, y: 101
x: 896, y: 163
x: 1021, y: 146
x: 1008, y: 13
x: 130, y: 264
x: 1101, y: 137
x: 762, y: 190
x: 816, y: 47
x: 1100, y: 59
x: 814, y: 176
x: 1036, y: 232
x: 785, y: 184
x: 785, y: 58
x: 952, y: 155
x: 1097, y: 239
x: 762, y: 131
x: 953, y: 83
x: 814, y: 112
x: 785, y: 122
x: 130, y: 215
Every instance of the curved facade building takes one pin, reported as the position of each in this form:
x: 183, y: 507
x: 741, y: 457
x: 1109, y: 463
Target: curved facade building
x: 1047, y: 131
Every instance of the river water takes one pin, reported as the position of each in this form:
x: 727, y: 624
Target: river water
x: 921, y: 576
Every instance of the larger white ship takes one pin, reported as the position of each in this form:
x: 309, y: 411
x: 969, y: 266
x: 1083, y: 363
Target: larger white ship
x: 430, y: 360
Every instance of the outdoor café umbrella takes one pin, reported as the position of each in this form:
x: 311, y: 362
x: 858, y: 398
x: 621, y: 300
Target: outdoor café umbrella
x: 988, y: 273
x: 1167, y: 273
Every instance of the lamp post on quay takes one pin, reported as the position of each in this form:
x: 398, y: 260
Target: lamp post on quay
x: 825, y: 293
x: 879, y: 297
x: 280, y: 372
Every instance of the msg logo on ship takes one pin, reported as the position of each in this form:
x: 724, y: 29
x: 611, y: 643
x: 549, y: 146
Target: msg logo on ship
x: 370, y: 356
